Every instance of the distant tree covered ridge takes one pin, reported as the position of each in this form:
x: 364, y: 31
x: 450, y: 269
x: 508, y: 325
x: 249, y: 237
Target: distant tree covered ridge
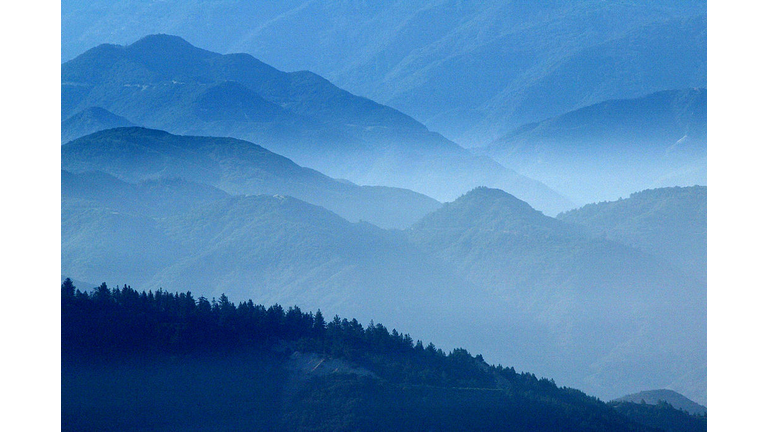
x: 160, y: 361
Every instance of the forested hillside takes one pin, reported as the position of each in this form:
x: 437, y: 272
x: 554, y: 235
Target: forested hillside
x: 213, y: 364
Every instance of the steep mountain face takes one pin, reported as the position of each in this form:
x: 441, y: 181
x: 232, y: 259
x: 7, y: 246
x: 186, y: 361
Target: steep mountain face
x: 556, y: 284
x: 237, y: 167
x: 670, y: 223
x: 515, y: 58
x: 88, y: 121
x: 164, y: 82
x: 673, y: 398
x: 611, y: 149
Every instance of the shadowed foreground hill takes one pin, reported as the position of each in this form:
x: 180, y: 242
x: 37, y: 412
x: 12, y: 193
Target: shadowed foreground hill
x: 202, y: 364
x: 237, y: 167
x: 662, y: 416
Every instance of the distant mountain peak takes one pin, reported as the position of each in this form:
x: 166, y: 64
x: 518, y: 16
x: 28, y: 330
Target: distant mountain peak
x: 163, y: 41
x: 489, y: 208
x: 654, y: 397
x: 488, y: 195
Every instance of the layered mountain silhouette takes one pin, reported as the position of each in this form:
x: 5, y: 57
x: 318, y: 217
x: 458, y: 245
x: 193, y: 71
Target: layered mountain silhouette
x: 166, y: 83
x: 613, y: 148
x: 472, y: 71
x: 495, y: 275
x: 237, y: 167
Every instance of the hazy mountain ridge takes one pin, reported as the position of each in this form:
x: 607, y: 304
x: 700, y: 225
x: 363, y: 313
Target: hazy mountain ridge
x: 156, y: 198
x: 237, y: 167
x: 613, y: 148
x: 561, y: 281
x: 518, y: 57
x: 668, y: 222
x: 163, y: 82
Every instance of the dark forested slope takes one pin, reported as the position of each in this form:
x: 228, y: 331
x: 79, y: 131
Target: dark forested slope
x: 204, y: 363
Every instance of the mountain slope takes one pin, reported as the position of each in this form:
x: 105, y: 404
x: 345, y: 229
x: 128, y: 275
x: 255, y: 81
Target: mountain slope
x: 164, y: 82
x: 613, y: 148
x: 237, y: 167
x: 555, y: 284
x: 517, y: 62
x: 669, y: 222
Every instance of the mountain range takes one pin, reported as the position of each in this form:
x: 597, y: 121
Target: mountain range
x: 270, y: 248
x: 163, y: 82
x: 526, y: 180
x: 473, y: 71
x: 495, y: 275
